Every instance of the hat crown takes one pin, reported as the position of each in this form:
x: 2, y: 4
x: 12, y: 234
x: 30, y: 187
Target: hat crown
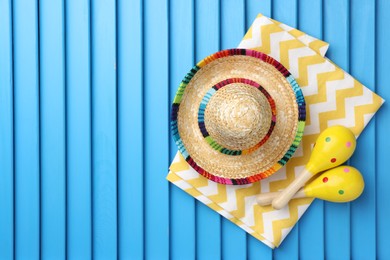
x: 238, y: 116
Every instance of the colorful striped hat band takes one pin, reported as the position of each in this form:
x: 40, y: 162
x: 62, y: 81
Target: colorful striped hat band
x: 238, y: 116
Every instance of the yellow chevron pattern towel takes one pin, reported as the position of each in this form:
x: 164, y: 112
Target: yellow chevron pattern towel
x: 333, y: 97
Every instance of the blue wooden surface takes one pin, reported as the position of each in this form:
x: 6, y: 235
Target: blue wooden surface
x: 85, y: 93
x: 156, y: 125
x: 104, y: 129
x: 78, y: 130
x: 27, y: 134
x: 130, y: 172
x: 52, y: 129
x: 6, y: 134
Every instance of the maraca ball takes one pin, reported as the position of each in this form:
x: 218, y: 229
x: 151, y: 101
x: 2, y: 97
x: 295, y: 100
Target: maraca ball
x: 333, y: 147
x: 340, y: 184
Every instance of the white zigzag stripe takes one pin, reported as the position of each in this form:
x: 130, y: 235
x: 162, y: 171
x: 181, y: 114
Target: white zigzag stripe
x: 247, y: 229
x: 285, y: 231
x: 188, y: 174
x: 270, y: 217
x: 302, y: 209
x: 255, y: 41
x: 329, y: 105
x: 203, y: 199
x: 209, y: 190
x: 306, y: 39
x: 231, y: 200
x: 279, y: 175
x: 226, y: 214
x: 299, y: 151
x: 275, y: 40
x: 177, y: 158
x: 182, y: 184
x: 312, y: 72
x: 324, y: 49
x: 367, y: 118
x: 350, y: 104
x: 285, y: 27
x: 294, y: 55
x: 249, y: 217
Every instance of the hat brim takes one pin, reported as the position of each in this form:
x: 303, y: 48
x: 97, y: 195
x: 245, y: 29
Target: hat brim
x: 279, y: 146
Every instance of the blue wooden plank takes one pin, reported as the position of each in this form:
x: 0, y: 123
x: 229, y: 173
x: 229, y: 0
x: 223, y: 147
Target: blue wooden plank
x: 311, y: 232
x: 207, y: 32
x: 337, y: 216
x: 252, y: 9
x: 310, y: 17
x: 286, y: 11
x: 232, y: 23
x: 336, y: 31
x: 26, y: 98
x: 181, y: 50
x: 156, y: 122
x: 232, y: 31
x: 130, y: 130
x: 52, y: 112
x: 289, y: 249
x: 382, y: 67
x: 256, y: 249
x: 104, y: 129
x: 311, y: 227
x: 233, y: 241
x: 363, y: 211
x: 255, y: 7
x: 6, y: 134
x: 78, y: 94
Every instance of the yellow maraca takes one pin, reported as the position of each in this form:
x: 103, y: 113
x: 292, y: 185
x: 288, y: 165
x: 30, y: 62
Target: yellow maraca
x: 340, y: 184
x: 334, y: 146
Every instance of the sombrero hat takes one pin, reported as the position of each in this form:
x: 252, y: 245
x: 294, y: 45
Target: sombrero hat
x: 238, y: 116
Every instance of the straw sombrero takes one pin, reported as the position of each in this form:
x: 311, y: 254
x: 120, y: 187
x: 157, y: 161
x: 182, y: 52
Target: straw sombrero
x: 238, y: 116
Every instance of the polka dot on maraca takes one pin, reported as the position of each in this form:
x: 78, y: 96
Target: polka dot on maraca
x: 346, y: 170
x: 348, y: 144
x: 325, y: 179
x: 333, y: 160
x: 341, y: 192
x: 327, y: 139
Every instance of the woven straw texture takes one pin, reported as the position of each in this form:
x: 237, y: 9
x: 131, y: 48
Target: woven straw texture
x: 238, y: 116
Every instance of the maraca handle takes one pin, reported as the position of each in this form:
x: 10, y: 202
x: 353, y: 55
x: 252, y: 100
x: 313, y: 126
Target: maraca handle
x: 286, y: 195
x: 265, y: 199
